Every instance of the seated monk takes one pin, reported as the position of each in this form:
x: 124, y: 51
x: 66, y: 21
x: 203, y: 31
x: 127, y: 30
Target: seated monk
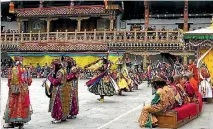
x: 189, y: 89
x: 159, y: 104
x: 177, y: 96
x: 170, y: 91
x: 179, y: 87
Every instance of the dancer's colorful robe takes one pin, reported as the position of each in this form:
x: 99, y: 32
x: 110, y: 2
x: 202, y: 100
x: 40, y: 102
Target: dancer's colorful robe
x: 159, y: 104
x: 72, y: 82
x: 122, y: 83
x: 103, y: 87
x: 59, y: 103
x: 101, y: 84
x: 18, y: 105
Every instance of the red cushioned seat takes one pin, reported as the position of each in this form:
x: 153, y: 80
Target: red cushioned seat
x: 200, y: 100
x: 187, y: 110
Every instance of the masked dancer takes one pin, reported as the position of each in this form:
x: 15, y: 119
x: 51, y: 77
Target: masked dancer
x: 72, y: 82
x: 103, y: 84
x: 59, y: 102
x: 18, y: 108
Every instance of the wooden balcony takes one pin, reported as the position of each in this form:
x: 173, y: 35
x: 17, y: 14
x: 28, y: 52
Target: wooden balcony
x: 92, y: 37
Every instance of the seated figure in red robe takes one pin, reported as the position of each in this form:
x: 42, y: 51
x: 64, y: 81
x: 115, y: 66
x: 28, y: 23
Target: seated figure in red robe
x: 189, y: 89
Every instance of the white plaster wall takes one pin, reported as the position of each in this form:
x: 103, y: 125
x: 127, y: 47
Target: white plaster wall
x: 10, y: 25
x: 168, y: 23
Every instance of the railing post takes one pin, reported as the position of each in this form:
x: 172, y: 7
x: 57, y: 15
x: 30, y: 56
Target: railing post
x: 104, y: 35
x: 48, y: 35
x: 21, y: 36
x: 146, y: 35
x: 30, y: 35
x: 94, y: 34
x: 156, y: 36
x: 66, y: 36
x: 167, y: 36
x: 135, y: 35
x: 75, y: 35
x: 114, y: 36
x: 57, y: 35
x: 178, y: 37
x: 5, y: 37
x: 13, y: 37
x: 39, y: 36
x: 124, y: 35
x: 85, y: 34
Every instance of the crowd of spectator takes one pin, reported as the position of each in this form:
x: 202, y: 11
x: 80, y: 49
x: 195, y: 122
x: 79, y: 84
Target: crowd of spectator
x: 5, y: 65
x: 39, y: 71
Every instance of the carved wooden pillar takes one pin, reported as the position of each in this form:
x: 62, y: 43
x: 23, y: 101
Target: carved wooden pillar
x: 186, y: 18
x: 79, y: 19
x: 112, y: 19
x: 79, y: 24
x: 19, y: 25
x: 41, y: 4
x: 145, y: 61
x: 48, y: 24
x: 146, y: 18
x: 185, y: 59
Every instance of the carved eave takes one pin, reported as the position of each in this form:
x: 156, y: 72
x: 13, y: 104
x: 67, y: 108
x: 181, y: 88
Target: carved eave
x: 65, y: 47
x: 201, y: 37
x: 62, y: 11
x: 146, y: 46
x: 193, y: 43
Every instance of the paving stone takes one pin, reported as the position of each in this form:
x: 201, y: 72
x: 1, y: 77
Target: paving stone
x: 117, y: 112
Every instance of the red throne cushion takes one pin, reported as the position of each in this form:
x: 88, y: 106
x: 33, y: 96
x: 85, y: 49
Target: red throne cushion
x: 187, y: 110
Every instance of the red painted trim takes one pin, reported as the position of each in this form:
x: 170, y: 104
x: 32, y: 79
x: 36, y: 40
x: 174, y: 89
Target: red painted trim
x: 62, y: 44
x: 74, y: 7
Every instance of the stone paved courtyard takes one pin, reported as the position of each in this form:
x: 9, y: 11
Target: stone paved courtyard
x: 117, y: 112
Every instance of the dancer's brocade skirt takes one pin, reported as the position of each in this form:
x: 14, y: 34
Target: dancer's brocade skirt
x: 18, y: 106
x: 103, y: 88
x: 147, y: 117
x: 74, y: 103
x: 56, y: 104
x: 60, y: 102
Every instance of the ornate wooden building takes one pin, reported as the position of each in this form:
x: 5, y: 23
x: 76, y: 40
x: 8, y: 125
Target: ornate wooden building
x: 88, y: 29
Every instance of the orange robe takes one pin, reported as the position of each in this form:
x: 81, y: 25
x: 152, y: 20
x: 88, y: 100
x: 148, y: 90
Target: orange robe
x: 195, y: 72
x: 194, y: 84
